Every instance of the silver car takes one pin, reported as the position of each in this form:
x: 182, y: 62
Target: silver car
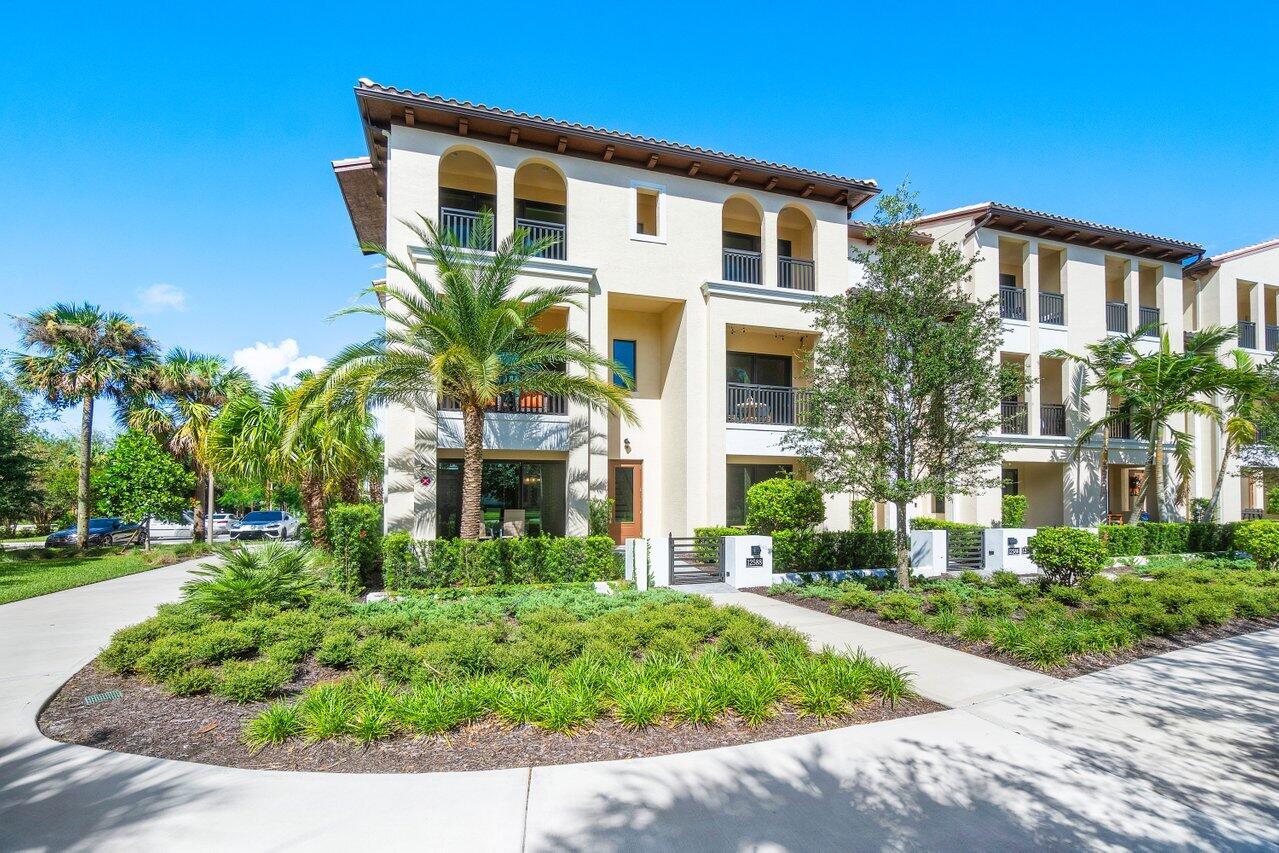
x: 266, y: 524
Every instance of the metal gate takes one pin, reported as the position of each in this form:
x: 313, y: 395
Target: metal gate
x: 964, y: 550
x: 696, y: 559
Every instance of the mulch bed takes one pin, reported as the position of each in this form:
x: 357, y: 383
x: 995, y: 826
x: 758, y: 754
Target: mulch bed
x: 207, y: 729
x: 1082, y: 665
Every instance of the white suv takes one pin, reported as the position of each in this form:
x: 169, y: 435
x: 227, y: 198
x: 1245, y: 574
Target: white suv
x: 265, y: 524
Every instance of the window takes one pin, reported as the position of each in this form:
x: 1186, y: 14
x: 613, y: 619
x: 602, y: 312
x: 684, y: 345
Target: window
x: 939, y: 504
x: 540, y: 211
x: 537, y: 488
x: 741, y: 242
x: 624, y: 354
x: 755, y: 369
x: 650, y: 212
x: 465, y: 200
x: 740, y: 479
x: 1007, y: 279
x: 1012, y: 482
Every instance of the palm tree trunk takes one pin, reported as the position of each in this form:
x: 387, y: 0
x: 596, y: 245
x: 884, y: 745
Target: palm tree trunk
x: 312, y: 489
x: 1154, y: 459
x: 86, y: 462
x: 472, y: 471
x: 1211, y: 511
x: 903, y: 547
x: 201, y: 492
x: 375, y: 490
x: 1104, y: 465
x: 349, y: 486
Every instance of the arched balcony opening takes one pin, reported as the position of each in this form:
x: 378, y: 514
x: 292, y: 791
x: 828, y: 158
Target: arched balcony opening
x: 541, y: 207
x: 795, y: 250
x: 468, y: 187
x: 743, y: 231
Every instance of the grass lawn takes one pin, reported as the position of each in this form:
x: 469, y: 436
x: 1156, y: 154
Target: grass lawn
x: 1051, y: 627
x: 28, y: 573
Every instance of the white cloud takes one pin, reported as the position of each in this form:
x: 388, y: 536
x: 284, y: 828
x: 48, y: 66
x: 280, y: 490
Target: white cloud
x: 163, y: 297
x: 267, y: 363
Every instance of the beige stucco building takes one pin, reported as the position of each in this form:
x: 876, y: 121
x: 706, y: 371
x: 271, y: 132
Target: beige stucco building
x: 695, y: 266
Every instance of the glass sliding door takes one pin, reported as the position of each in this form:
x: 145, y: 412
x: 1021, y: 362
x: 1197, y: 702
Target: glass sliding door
x: 740, y: 479
x: 535, y: 488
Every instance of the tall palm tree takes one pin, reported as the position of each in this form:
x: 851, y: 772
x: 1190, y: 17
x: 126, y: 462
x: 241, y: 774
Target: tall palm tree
x: 179, y: 399
x: 1101, y: 361
x: 470, y: 335
x: 1246, y: 392
x: 82, y: 353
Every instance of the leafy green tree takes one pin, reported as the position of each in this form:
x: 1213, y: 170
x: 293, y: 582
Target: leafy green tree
x: 1249, y: 396
x: 466, y: 333
x: 905, y: 374
x: 18, y: 488
x: 82, y: 353
x: 178, y: 399
x: 57, y: 462
x: 138, y: 477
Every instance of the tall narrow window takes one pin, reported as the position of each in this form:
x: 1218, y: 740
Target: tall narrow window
x: 624, y: 355
x: 1012, y: 481
x: 650, y: 212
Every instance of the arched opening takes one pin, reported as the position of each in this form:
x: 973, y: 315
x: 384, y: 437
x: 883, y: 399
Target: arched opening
x: 541, y: 207
x: 795, y: 250
x: 742, y: 227
x: 468, y: 187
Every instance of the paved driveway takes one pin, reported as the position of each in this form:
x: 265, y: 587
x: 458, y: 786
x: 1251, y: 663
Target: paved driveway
x: 1176, y: 752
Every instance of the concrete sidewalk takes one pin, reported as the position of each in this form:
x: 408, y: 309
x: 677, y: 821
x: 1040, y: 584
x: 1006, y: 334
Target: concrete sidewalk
x: 1176, y: 752
x: 948, y: 676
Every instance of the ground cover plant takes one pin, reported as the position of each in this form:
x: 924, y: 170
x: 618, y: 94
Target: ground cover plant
x: 1062, y: 628
x: 37, y: 571
x: 558, y: 659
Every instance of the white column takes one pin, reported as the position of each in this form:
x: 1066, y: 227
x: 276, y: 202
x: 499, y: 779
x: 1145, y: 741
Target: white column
x: 1258, y: 301
x: 1132, y: 294
x: 587, y: 429
x: 504, y: 216
x: 768, y: 249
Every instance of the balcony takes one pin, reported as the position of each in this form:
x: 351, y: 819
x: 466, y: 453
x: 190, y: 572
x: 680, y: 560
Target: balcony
x: 1272, y: 338
x: 1052, y: 419
x: 1247, y: 334
x: 538, y: 230
x: 1014, y: 418
x: 462, y: 224
x: 1148, y: 320
x: 795, y: 274
x: 517, y: 403
x: 765, y: 404
x: 1012, y: 303
x: 1052, y: 308
x: 1121, y: 428
x: 741, y: 265
x: 1117, y: 317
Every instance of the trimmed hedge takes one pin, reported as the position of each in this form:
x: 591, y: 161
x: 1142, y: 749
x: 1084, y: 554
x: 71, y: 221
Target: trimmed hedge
x: 926, y: 523
x: 1013, y: 510
x: 829, y: 551
x: 1260, y: 539
x: 487, y: 562
x: 1166, y: 537
x: 355, y: 538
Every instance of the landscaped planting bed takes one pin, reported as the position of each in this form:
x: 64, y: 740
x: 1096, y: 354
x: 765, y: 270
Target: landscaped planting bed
x: 1065, y: 631
x: 464, y: 679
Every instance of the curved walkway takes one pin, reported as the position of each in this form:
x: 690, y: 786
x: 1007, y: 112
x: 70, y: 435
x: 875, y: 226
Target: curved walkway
x: 1174, y: 752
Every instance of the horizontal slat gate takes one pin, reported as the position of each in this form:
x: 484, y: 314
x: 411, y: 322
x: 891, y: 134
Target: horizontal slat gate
x: 696, y: 559
x: 964, y: 550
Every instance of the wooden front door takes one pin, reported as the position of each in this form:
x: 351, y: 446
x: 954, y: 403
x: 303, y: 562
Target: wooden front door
x: 626, y: 488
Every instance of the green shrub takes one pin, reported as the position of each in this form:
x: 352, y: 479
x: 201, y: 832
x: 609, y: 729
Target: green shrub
x: 492, y: 562
x: 783, y: 503
x: 168, y: 657
x: 1005, y: 580
x: 1171, y: 537
x: 1066, y: 555
x: 1014, y: 511
x: 900, y: 607
x: 274, y: 573
x: 355, y: 540
x: 1260, y: 540
x: 194, y: 681
x: 828, y: 550
x: 252, y: 680
x: 862, y: 515
x: 600, y: 516
x: 397, y: 559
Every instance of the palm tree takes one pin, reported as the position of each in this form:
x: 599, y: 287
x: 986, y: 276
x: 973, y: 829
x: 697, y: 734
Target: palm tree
x: 1101, y: 361
x: 179, y: 399
x: 82, y: 353
x: 470, y: 336
x: 1247, y: 391
x: 246, y: 439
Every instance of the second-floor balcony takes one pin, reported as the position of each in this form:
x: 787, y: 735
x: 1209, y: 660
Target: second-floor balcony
x: 1247, y: 334
x: 516, y: 403
x: 1052, y: 419
x: 796, y: 273
x: 1148, y: 320
x: 462, y: 224
x: 1012, y: 303
x: 765, y: 404
x: 1272, y: 338
x: 1117, y: 317
x: 1014, y: 418
x: 1052, y: 308
x: 1121, y: 427
x: 742, y: 265
x: 551, y: 231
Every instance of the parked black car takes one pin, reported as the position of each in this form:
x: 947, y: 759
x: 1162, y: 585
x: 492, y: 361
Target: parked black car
x: 102, y: 531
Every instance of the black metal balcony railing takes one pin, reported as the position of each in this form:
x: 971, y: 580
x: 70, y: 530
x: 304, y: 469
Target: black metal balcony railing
x: 1121, y: 428
x: 1117, y: 317
x: 1052, y: 308
x: 1148, y: 319
x: 1052, y: 419
x: 765, y: 404
x: 1272, y: 338
x: 1252, y: 514
x: 1012, y: 303
x: 1247, y: 334
x: 741, y: 265
x: 462, y: 225
x: 538, y: 230
x: 517, y: 403
x: 795, y: 274
x: 1014, y: 418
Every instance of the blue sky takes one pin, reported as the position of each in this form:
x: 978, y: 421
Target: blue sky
x: 175, y: 164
